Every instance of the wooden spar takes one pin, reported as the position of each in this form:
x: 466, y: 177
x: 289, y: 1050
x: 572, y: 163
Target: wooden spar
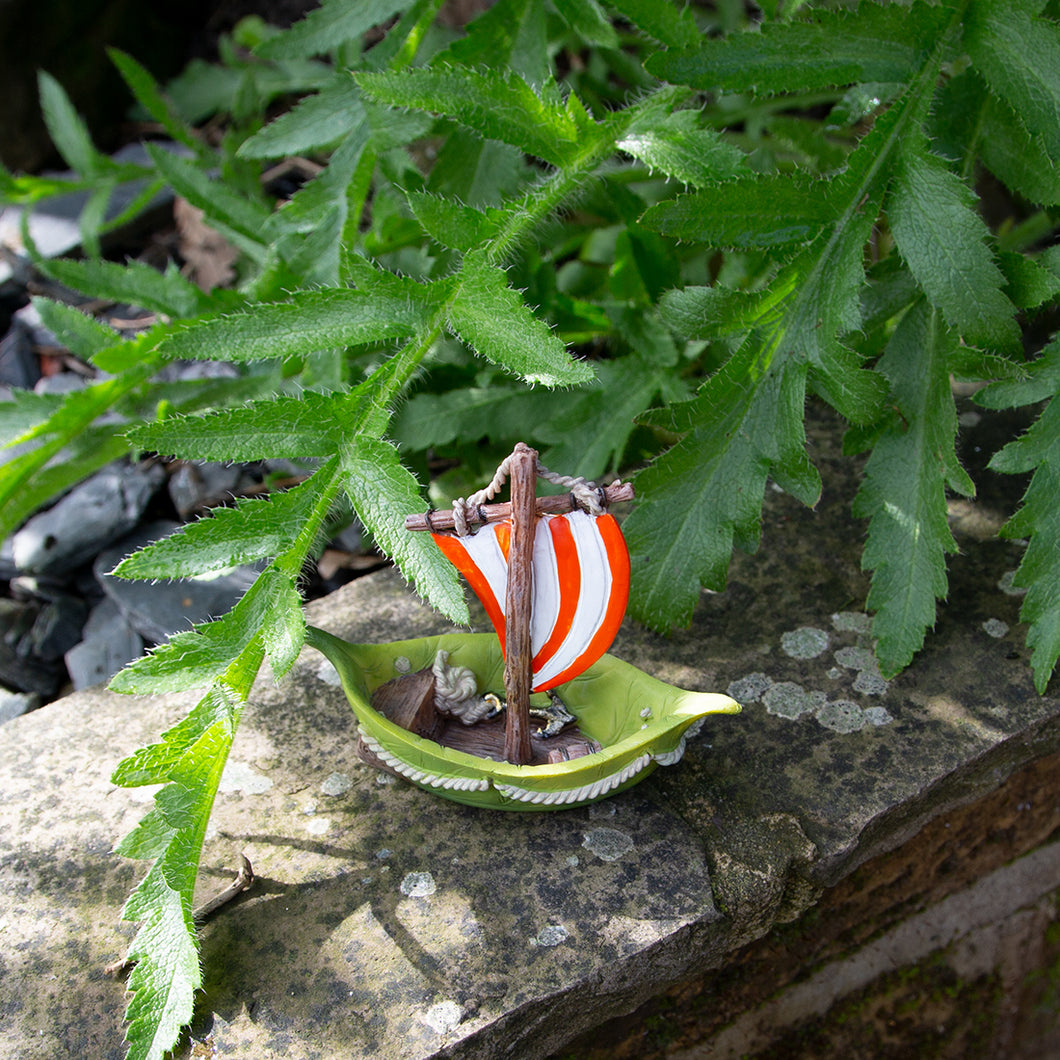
x: 520, y: 594
x: 495, y: 513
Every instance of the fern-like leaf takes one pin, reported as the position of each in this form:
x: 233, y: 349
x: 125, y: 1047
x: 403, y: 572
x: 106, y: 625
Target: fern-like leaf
x: 491, y: 318
x: 904, y: 491
x: 1038, y: 519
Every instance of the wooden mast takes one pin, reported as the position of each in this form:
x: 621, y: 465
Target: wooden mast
x: 518, y: 604
x: 523, y: 511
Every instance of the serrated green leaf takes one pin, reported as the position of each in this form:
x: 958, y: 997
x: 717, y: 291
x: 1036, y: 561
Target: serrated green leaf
x: 383, y: 492
x: 252, y: 530
x: 875, y: 43
x: 662, y: 20
x: 745, y: 214
x: 498, y: 412
x: 1015, y: 156
x: 904, y: 491
x: 309, y: 425
x: 283, y: 628
x: 314, y: 122
x: 194, y: 659
x: 167, y: 973
x: 510, y: 33
x: 165, y: 949
x: 333, y: 23
x: 497, y: 105
x: 66, y: 127
x: 25, y: 410
x: 155, y: 763
x: 452, y: 223
x: 705, y: 493
x: 588, y: 21
x: 1041, y: 382
x: 83, y: 335
x: 492, y: 319
x: 943, y: 241
x: 1019, y: 57
x: 714, y: 312
x: 1038, y: 518
x: 1039, y: 572
x: 311, y: 321
x: 680, y: 148
x: 478, y: 172
x: 61, y: 468
x: 590, y: 436
x: 66, y: 431
x: 133, y: 282
x: 239, y: 218
x: 150, y: 96
x: 1027, y: 284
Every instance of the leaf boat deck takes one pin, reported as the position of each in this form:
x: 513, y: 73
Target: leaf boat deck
x: 638, y: 721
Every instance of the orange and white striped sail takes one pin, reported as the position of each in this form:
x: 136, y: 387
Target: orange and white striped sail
x: 581, y: 587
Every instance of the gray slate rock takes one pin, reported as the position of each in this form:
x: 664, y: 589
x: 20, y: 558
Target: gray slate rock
x: 15, y: 704
x: 109, y: 644
x: 157, y: 610
x: 193, y: 487
x: 18, y: 363
x: 60, y: 383
x: 89, y: 518
x: 20, y: 668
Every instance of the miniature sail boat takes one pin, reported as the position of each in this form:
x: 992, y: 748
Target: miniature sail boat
x: 553, y: 576
x: 580, y: 587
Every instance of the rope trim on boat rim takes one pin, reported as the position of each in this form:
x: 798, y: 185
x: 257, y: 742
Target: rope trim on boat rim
x: 671, y: 758
x: 585, y: 793
x: 419, y: 776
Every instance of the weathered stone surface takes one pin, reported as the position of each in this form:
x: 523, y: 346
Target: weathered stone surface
x: 388, y: 923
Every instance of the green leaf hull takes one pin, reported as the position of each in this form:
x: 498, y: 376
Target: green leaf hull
x: 640, y: 722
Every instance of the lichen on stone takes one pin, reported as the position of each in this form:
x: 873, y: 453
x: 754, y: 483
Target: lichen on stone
x: 807, y: 642
x: 857, y: 659
x: 418, y: 885
x: 878, y: 716
x: 444, y: 1017
x: 336, y: 784
x: 241, y: 776
x: 1006, y: 586
x: 608, y: 844
x: 869, y: 683
x: 786, y: 699
x: 749, y: 689
x: 852, y: 622
x: 552, y: 935
x: 841, y: 715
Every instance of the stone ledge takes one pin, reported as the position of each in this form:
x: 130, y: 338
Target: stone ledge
x: 969, y: 900
x: 387, y: 923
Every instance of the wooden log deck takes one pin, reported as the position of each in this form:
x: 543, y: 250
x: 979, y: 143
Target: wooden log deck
x: 408, y: 701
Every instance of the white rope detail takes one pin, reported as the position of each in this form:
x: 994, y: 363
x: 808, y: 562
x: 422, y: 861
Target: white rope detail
x: 418, y: 776
x: 456, y: 691
x: 587, y: 792
x: 464, y: 509
x: 586, y: 494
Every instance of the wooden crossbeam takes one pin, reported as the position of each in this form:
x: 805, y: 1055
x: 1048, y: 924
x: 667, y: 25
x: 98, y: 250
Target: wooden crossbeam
x: 495, y: 513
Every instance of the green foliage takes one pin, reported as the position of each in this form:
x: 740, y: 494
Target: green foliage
x: 640, y: 234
